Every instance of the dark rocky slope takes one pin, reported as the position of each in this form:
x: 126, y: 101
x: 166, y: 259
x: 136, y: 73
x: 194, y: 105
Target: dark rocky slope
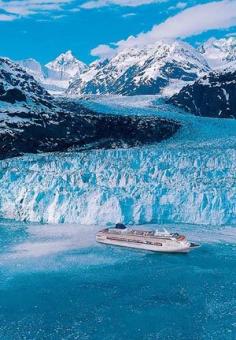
x: 20, y: 88
x: 82, y: 129
x: 213, y: 95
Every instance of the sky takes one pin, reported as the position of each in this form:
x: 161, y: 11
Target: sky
x: 42, y: 29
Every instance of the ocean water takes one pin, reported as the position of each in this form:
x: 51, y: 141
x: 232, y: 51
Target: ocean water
x: 57, y: 283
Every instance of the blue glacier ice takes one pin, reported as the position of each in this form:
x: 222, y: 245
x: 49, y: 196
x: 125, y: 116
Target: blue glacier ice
x: 189, y: 178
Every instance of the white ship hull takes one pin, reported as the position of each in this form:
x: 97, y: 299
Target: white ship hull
x: 170, y: 248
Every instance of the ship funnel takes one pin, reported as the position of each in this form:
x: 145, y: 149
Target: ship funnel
x: 120, y: 226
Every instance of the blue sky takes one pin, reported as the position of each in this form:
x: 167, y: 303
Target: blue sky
x: 42, y: 29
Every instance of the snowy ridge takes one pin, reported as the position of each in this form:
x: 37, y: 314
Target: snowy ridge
x: 162, y: 68
x: 220, y: 53
x: 28, y: 113
x: 66, y: 66
x: 19, y: 91
x: 141, y: 71
x: 33, y: 67
x: 57, y: 74
x: 212, y: 95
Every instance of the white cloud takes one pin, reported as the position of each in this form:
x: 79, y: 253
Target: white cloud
x: 56, y: 17
x: 104, y: 51
x: 5, y: 17
x: 76, y: 9
x: 20, y: 8
x: 124, y: 3
x: 189, y: 22
x: 127, y: 15
x: 179, y: 5
x: 232, y: 34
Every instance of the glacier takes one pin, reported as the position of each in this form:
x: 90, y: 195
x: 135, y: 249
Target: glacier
x: 189, y: 178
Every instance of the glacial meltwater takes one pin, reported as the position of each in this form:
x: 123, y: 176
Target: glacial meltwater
x: 57, y: 283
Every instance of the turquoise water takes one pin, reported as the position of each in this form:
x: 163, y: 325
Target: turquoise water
x: 57, y: 283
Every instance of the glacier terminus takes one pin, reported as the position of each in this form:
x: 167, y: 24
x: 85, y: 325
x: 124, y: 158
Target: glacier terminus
x: 189, y: 177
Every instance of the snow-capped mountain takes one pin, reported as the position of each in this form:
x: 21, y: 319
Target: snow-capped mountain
x: 65, y: 67
x: 33, y: 67
x: 147, y: 70
x: 220, y: 53
x: 213, y: 95
x: 28, y: 113
x: 57, y: 74
x: 19, y: 91
x: 161, y: 68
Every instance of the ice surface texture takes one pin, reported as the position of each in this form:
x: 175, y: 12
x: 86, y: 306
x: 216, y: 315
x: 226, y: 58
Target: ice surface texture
x: 189, y: 178
x: 132, y: 186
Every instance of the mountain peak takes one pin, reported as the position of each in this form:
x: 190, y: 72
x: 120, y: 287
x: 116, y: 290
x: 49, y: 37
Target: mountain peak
x: 220, y: 53
x: 63, y: 59
x: 56, y: 75
x: 20, y: 89
x: 66, y: 56
x: 69, y: 52
x: 66, y: 65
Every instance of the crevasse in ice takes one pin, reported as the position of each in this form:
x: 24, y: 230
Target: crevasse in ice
x: 189, y: 178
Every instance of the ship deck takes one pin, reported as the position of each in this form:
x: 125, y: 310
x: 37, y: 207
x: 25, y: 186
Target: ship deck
x: 138, y: 234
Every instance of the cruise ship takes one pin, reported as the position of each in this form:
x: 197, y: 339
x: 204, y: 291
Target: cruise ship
x: 151, y: 240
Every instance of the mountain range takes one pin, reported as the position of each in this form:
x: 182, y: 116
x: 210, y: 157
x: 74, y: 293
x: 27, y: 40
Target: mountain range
x: 147, y: 70
x: 220, y: 53
x: 161, y: 68
x: 55, y: 75
x: 214, y: 94
x: 202, y: 81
